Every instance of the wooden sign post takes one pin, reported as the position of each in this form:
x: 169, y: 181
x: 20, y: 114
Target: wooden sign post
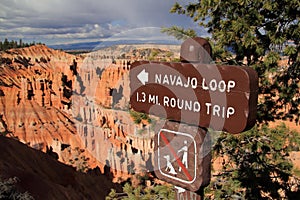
x: 198, y: 94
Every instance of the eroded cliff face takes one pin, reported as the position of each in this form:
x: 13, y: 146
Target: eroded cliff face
x: 33, y: 101
x: 103, y: 121
x: 66, y: 105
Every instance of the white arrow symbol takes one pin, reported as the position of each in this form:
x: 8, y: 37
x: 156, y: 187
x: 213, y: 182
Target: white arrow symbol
x: 143, y: 76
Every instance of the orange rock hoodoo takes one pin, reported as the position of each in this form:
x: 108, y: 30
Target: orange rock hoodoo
x: 49, y: 98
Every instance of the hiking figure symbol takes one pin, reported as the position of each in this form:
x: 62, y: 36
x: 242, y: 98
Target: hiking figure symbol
x: 184, y: 149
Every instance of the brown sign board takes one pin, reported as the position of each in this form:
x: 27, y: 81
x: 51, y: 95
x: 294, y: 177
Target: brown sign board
x: 221, y: 97
x: 183, y: 157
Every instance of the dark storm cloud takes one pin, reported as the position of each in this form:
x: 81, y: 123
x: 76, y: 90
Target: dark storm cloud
x: 63, y: 21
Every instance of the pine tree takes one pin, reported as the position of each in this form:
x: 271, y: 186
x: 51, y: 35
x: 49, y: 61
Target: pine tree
x: 179, y: 33
x: 5, y: 44
x: 263, y: 35
x: 164, y: 192
x: 20, y: 43
x: 258, y: 32
x: 14, y: 44
x: 257, y: 165
x: 9, y: 190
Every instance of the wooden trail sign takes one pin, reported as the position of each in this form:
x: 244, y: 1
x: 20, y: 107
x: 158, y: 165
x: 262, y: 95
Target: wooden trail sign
x: 199, y: 94
x: 221, y: 97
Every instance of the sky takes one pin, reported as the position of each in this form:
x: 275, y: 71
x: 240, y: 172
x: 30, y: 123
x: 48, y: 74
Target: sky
x: 74, y: 21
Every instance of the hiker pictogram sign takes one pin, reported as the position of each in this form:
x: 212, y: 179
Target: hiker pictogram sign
x: 179, y: 159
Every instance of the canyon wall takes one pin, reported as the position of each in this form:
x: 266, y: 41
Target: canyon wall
x: 103, y: 120
x: 33, y: 104
x: 66, y: 104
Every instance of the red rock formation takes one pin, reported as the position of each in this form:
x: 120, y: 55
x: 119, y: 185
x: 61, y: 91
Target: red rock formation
x: 105, y: 125
x: 34, y: 100
x: 52, y: 100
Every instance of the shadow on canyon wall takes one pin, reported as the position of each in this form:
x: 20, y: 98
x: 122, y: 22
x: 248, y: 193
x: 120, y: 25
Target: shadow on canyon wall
x: 45, y: 178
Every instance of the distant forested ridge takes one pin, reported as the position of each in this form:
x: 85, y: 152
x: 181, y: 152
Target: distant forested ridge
x: 6, y: 44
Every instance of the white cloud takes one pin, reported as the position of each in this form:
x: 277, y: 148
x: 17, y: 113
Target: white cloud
x: 54, y: 21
